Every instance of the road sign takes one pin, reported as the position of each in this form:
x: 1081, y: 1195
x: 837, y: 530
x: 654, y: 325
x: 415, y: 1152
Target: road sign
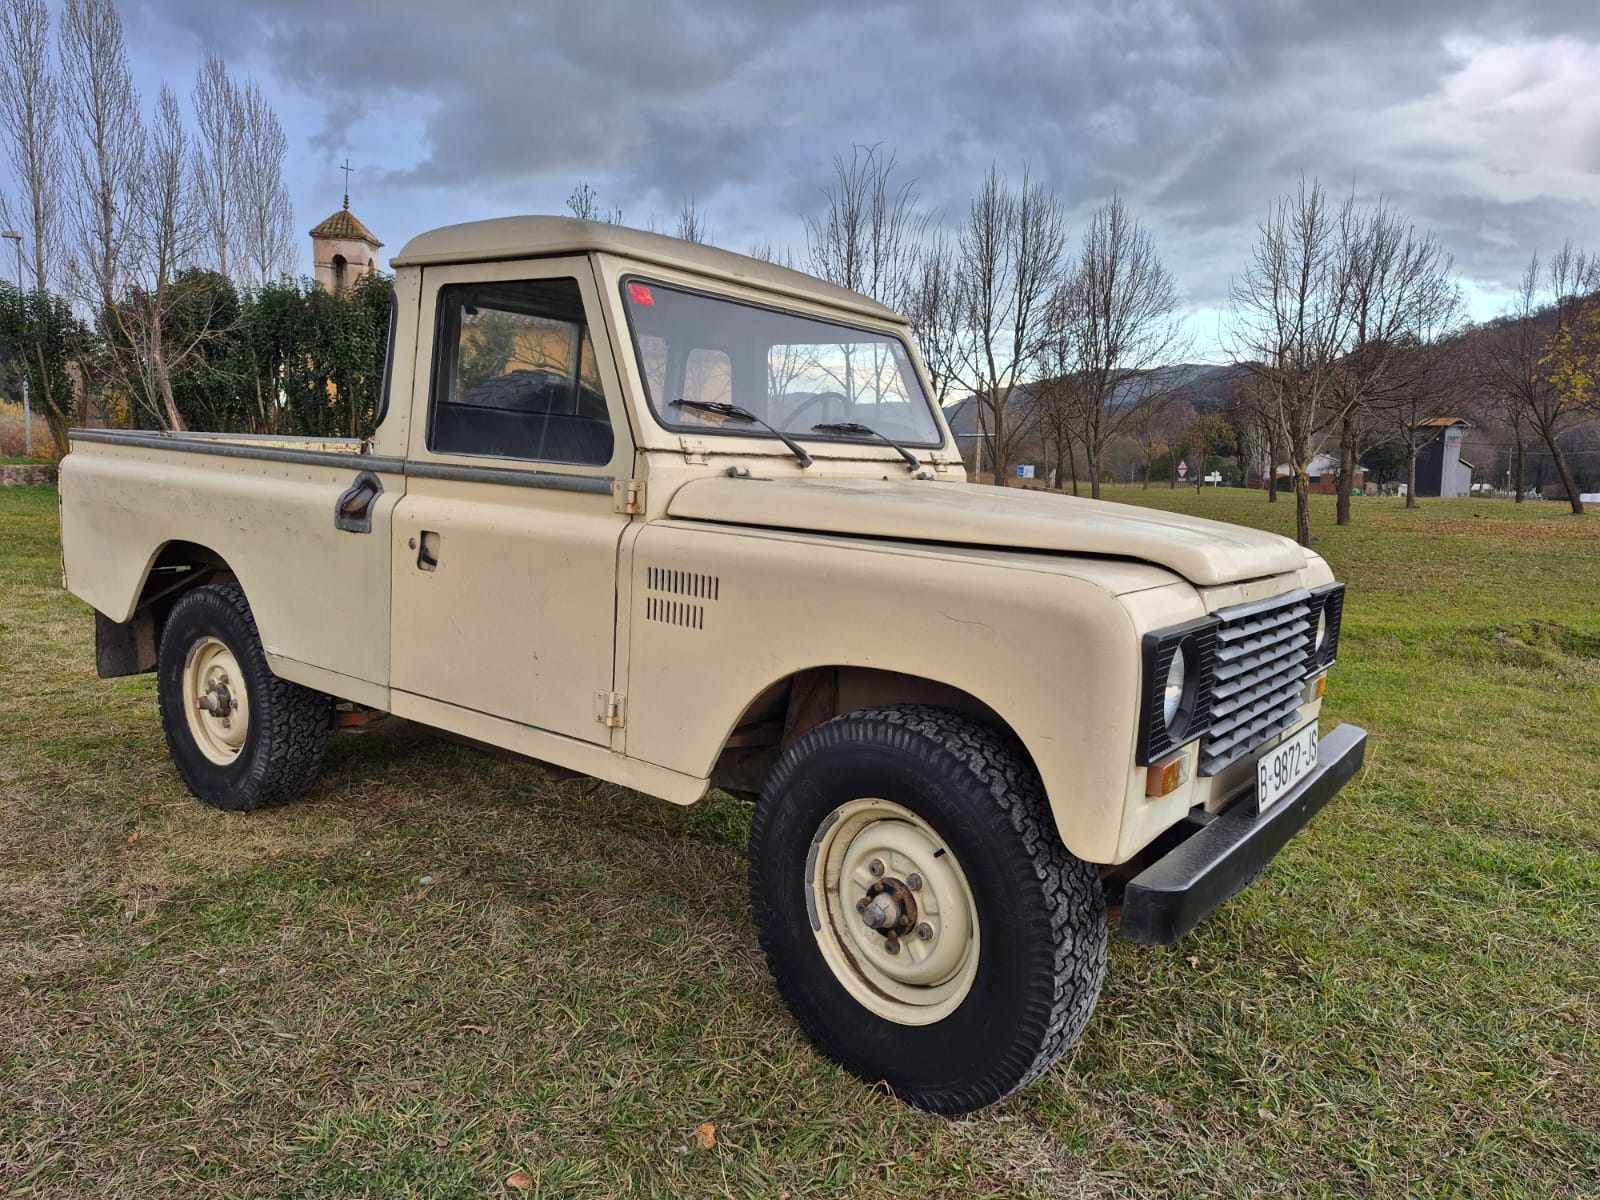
x: 1183, y: 470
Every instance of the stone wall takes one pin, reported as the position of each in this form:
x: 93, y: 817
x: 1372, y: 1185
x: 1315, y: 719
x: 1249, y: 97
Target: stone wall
x: 27, y: 475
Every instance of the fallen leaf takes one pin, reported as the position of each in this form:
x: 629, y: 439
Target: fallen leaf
x: 705, y: 1135
x: 480, y: 1030
x: 1194, y: 962
x: 519, y: 1181
x: 441, y: 1142
x: 134, y: 837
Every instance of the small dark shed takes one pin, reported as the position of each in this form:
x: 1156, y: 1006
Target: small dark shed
x: 1441, y: 471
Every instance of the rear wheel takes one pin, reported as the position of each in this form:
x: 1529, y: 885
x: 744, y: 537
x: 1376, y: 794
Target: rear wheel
x: 920, y: 915
x: 241, y: 737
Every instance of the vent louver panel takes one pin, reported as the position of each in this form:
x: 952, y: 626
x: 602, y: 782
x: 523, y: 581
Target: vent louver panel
x: 675, y: 612
x: 1262, y: 655
x: 696, y: 591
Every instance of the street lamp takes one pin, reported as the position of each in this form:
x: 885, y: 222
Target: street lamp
x: 11, y: 235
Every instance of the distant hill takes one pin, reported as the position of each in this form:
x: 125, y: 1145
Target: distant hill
x: 1207, y: 386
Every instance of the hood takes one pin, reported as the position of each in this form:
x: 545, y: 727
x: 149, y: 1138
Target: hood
x: 1206, y: 553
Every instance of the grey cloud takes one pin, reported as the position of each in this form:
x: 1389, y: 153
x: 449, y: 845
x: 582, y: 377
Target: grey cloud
x: 1199, y: 113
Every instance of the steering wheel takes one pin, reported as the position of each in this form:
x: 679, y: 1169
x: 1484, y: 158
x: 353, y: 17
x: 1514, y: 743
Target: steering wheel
x: 792, y: 420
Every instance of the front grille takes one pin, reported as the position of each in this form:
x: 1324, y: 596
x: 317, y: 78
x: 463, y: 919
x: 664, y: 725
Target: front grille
x: 1260, y: 662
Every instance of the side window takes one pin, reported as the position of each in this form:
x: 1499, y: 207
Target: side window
x: 515, y: 374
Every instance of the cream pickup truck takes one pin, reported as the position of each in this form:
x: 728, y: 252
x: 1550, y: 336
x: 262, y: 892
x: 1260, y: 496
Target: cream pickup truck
x: 679, y: 519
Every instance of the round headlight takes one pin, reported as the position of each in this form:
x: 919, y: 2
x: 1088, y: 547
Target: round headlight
x: 1172, y: 695
x: 1322, y: 631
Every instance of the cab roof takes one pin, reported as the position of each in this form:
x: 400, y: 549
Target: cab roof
x: 534, y: 236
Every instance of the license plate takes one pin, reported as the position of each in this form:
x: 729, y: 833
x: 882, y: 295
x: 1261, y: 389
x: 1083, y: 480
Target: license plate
x: 1279, y: 769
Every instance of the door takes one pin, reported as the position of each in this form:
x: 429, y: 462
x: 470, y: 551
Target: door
x: 505, y: 545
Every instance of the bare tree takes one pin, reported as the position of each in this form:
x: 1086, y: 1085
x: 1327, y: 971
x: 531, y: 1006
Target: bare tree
x: 1055, y: 393
x: 868, y: 236
x: 1399, y: 286
x: 584, y: 203
x: 1289, y: 322
x: 264, y: 215
x: 30, y: 106
x: 933, y: 305
x: 106, y: 135
x: 168, y: 230
x: 1120, y: 319
x: 1426, y: 375
x: 29, y: 125
x: 771, y: 252
x: 1008, y: 255
x: 1151, y: 428
x: 692, y: 225
x: 218, y: 113
x: 1514, y: 362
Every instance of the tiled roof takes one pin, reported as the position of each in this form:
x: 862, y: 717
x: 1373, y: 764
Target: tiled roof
x: 343, y: 224
x: 1441, y: 422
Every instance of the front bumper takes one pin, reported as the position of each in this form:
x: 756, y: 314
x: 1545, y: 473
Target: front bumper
x: 1183, y: 887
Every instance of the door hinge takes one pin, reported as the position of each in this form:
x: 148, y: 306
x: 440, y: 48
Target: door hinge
x: 627, y: 495
x: 610, y: 709
x: 694, y: 450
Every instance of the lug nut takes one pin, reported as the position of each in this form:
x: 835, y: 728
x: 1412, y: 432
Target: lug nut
x: 892, y: 945
x: 914, y: 882
x: 925, y: 931
x: 876, y: 867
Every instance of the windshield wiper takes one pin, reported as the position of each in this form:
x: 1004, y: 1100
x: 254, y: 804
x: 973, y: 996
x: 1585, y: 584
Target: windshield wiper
x: 744, y: 414
x: 860, y: 430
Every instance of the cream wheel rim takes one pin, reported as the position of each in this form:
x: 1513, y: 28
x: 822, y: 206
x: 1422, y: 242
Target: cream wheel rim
x: 215, y: 700
x: 892, y: 912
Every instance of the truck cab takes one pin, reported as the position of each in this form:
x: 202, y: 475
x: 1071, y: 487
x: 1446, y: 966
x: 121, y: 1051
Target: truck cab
x: 681, y: 519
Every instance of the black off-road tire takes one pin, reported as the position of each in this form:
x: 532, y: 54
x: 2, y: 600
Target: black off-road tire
x: 289, y: 724
x: 1041, y: 911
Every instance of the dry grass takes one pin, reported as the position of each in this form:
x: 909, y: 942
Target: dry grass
x: 13, y: 434
x: 204, y: 1004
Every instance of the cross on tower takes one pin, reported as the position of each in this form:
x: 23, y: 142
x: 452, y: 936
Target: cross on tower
x: 346, y: 168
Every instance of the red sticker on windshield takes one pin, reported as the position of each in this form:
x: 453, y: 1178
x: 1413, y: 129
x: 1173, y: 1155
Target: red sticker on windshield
x: 639, y: 294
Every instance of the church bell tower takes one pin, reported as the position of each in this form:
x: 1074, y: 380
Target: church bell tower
x: 343, y: 250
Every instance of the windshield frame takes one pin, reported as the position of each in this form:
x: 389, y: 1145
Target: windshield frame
x: 751, y: 430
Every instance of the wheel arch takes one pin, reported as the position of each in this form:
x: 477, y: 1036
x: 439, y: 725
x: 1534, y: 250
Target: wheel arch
x: 175, y: 567
x: 794, y: 703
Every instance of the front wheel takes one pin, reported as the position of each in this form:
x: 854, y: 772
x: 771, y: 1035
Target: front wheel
x: 241, y: 737
x: 919, y: 913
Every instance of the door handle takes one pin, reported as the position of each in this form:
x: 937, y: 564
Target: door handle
x: 352, y: 511
x: 428, y: 551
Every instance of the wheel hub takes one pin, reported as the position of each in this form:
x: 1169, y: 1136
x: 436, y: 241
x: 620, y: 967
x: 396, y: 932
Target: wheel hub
x: 889, y: 907
x: 215, y: 700
x: 895, y: 918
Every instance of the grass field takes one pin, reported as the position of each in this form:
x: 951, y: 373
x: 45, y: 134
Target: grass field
x: 445, y: 967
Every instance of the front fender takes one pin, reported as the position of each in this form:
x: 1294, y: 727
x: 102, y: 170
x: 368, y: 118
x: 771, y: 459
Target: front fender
x: 716, y: 615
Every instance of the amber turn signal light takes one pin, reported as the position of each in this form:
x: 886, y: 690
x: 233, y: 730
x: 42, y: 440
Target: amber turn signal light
x: 1165, y: 777
x: 1317, y: 688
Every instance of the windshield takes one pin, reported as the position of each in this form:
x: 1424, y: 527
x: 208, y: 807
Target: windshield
x: 793, y: 372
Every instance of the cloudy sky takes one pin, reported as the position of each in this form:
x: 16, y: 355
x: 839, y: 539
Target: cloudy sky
x: 1479, y: 120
